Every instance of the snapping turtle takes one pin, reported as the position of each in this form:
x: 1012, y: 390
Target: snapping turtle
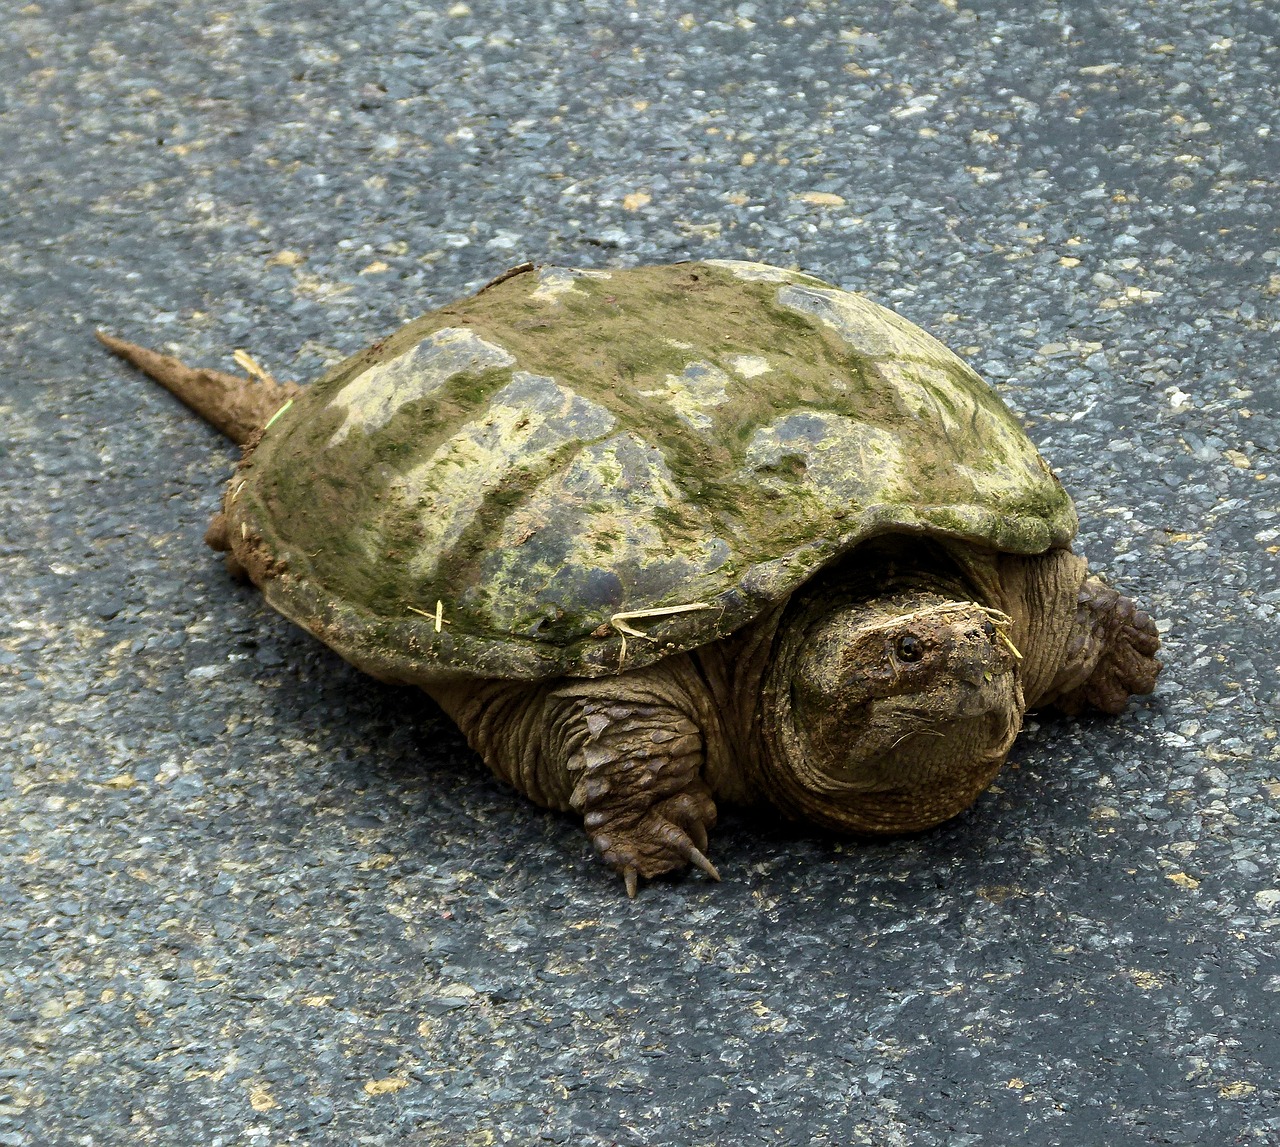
x: 669, y: 535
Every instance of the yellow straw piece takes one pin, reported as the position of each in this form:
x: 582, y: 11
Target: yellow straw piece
x: 438, y: 617
x: 619, y: 621
x: 250, y: 365
x: 277, y: 414
x: 1001, y: 620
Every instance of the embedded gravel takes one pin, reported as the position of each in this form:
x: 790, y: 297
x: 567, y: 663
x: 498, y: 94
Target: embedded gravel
x: 251, y: 897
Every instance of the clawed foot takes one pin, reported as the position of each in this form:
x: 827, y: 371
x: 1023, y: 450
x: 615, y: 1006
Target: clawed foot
x: 1129, y: 640
x: 664, y: 837
x: 1129, y: 665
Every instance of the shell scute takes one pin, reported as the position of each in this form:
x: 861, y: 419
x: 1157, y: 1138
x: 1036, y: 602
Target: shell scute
x: 372, y: 399
x: 615, y: 510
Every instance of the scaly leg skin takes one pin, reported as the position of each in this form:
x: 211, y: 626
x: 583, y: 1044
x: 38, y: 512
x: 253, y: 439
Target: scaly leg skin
x: 1110, y: 654
x: 636, y: 768
x: 628, y: 753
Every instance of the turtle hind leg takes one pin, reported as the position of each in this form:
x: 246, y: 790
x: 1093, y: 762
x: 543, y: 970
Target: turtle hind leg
x: 1110, y: 655
x: 216, y: 537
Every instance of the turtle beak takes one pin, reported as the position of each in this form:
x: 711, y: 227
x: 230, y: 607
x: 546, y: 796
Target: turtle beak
x: 982, y: 664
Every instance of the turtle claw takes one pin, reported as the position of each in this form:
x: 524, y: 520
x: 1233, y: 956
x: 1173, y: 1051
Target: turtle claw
x: 660, y: 840
x: 697, y: 858
x: 691, y: 853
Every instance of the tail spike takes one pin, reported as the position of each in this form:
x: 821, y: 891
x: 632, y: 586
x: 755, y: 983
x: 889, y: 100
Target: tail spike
x: 236, y: 405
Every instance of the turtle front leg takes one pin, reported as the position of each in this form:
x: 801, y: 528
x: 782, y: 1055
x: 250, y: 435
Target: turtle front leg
x: 627, y: 753
x: 636, y: 768
x: 1110, y: 653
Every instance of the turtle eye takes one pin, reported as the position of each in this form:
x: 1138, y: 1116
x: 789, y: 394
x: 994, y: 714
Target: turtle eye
x: 909, y: 648
x: 989, y: 630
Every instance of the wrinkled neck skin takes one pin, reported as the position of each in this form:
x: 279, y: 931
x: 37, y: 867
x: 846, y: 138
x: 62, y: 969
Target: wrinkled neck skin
x: 883, y: 697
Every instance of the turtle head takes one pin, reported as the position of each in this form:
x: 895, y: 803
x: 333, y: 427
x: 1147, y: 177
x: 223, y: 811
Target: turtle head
x: 890, y: 714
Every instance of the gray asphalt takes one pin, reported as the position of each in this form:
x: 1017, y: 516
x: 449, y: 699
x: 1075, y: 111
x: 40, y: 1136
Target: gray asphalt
x: 251, y: 897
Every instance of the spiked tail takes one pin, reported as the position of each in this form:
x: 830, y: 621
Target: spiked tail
x: 237, y: 405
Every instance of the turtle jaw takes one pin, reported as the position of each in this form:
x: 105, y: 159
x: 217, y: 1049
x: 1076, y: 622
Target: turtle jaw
x: 935, y: 768
x: 924, y: 781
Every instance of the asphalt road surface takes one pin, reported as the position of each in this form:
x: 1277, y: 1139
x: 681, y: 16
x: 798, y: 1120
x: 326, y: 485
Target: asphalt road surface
x: 250, y: 897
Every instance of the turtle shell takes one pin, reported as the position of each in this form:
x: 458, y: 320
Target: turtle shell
x: 576, y: 472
